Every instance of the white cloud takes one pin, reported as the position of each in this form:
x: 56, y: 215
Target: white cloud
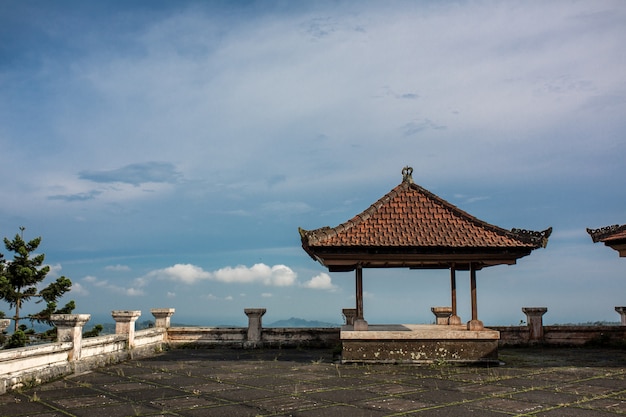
x: 186, y: 273
x: 320, y: 282
x: 78, y: 289
x: 171, y: 294
x: 277, y: 275
x: 267, y: 295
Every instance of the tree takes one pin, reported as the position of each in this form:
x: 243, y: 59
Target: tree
x: 19, y: 280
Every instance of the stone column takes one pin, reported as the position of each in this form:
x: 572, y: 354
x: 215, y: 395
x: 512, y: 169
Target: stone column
x: 350, y: 315
x: 454, y: 319
x: 125, y: 323
x: 622, y: 313
x: 442, y: 314
x: 255, y: 325
x: 474, y: 323
x: 359, y: 321
x: 162, y: 317
x: 534, y: 320
x: 70, y: 329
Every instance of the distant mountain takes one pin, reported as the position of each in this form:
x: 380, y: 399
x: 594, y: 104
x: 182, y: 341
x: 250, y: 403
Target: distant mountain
x: 296, y: 322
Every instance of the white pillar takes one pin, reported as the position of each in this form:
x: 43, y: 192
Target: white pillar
x: 125, y: 323
x: 162, y: 317
x: 70, y: 329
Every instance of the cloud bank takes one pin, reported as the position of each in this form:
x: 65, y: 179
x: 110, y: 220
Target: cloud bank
x: 277, y: 275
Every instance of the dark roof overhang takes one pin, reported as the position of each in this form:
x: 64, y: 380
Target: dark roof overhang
x: 343, y: 259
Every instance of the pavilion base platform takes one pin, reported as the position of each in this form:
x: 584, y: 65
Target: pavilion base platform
x: 419, y: 344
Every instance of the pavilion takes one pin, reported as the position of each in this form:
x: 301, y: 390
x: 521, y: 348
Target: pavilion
x: 612, y: 236
x: 410, y: 227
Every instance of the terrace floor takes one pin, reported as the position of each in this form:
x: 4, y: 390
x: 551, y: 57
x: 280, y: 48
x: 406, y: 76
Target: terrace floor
x: 292, y: 382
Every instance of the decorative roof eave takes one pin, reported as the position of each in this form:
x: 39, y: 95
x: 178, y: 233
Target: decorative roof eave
x: 537, y: 238
x: 612, y: 236
x: 603, y: 234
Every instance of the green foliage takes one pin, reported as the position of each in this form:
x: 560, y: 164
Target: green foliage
x: 17, y: 339
x: 95, y: 331
x: 20, y: 278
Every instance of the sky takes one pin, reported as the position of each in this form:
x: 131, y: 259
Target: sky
x: 167, y: 152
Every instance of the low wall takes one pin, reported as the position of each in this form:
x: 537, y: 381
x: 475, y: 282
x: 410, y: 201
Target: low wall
x: 563, y: 336
x: 207, y: 336
x: 319, y: 337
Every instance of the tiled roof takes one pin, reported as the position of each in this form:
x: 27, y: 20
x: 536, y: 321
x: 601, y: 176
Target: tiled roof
x: 411, y: 216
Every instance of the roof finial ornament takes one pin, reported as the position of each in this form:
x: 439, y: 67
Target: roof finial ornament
x: 407, y: 174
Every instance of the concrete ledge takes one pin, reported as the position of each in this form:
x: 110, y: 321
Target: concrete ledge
x: 318, y: 337
x: 419, y: 344
x: 417, y: 331
x: 223, y: 336
x: 563, y: 335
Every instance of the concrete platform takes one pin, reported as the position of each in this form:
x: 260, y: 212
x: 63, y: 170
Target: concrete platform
x: 538, y: 382
x: 419, y: 343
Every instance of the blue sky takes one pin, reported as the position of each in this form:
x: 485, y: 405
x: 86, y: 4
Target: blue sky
x: 167, y: 152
